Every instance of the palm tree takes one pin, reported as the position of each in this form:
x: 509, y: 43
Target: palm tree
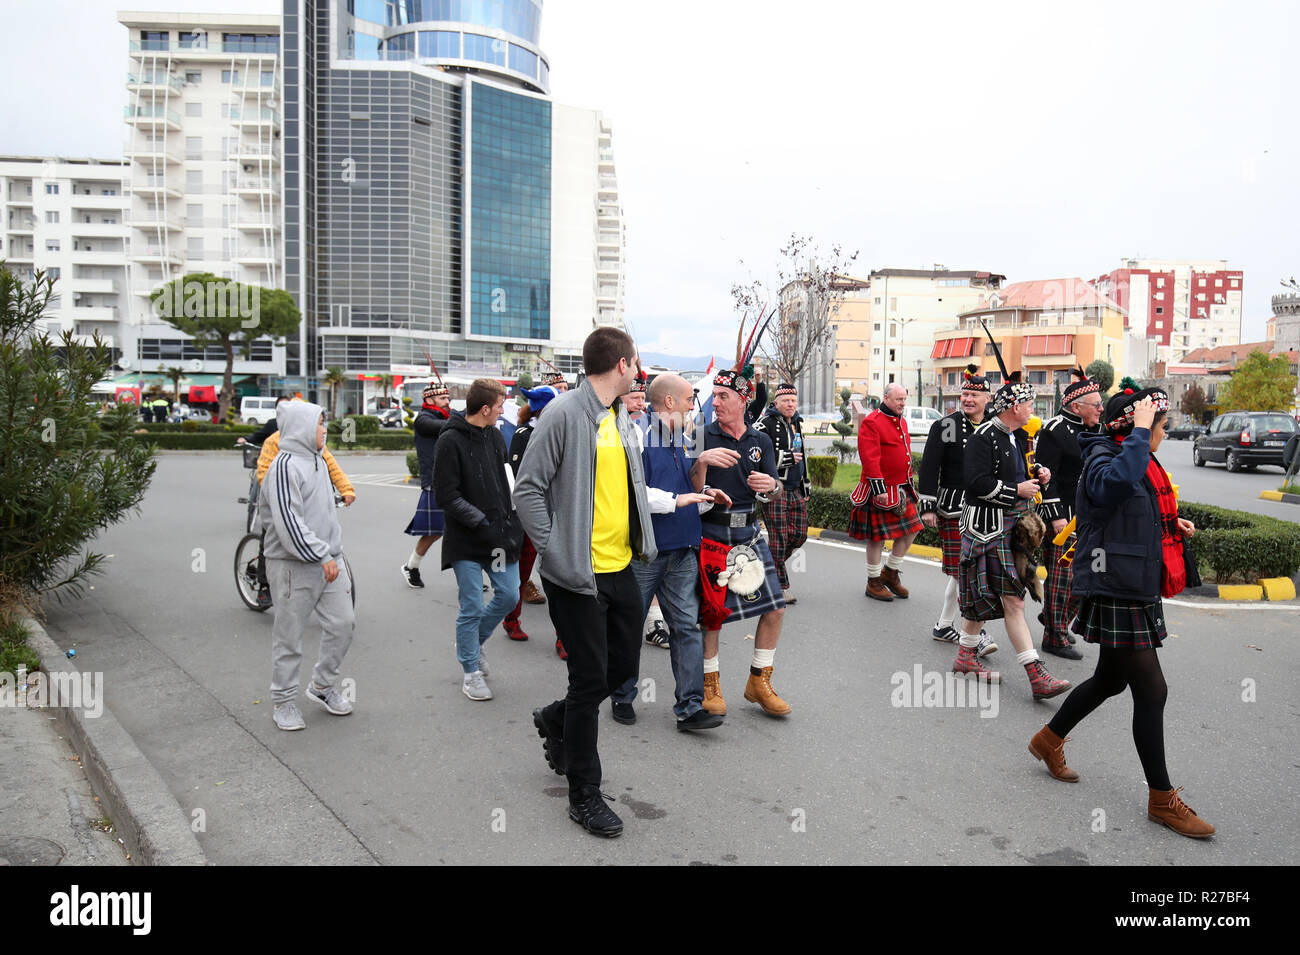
x: 334, y: 379
x: 176, y: 374
x: 386, y: 383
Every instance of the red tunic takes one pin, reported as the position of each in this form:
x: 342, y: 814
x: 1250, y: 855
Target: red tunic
x: 885, y: 449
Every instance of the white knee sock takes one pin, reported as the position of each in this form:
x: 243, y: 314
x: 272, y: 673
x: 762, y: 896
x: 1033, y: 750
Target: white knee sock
x: 413, y: 562
x: 1027, y: 657
x: 894, y: 561
x: 710, y: 664
x: 949, y: 613
x: 971, y: 640
x: 762, y: 658
x: 873, y: 570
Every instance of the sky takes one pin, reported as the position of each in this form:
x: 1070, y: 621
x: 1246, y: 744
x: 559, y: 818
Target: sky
x: 1035, y: 140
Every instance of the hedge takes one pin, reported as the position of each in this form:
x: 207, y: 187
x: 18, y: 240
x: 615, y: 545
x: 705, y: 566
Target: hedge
x: 197, y: 441
x: 390, y: 441
x: 193, y: 425
x: 364, y: 423
x: 821, y: 469
x: 413, y: 464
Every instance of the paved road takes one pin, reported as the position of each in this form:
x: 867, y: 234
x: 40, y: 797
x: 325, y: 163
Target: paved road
x: 419, y: 774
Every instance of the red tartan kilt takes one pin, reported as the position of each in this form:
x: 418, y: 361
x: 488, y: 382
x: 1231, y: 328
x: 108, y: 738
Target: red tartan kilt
x: 871, y: 523
x: 950, y: 540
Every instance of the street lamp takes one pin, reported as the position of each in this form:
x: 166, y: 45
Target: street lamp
x: 918, y: 380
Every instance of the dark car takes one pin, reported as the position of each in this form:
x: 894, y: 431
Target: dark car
x: 1183, y: 432
x: 1244, y: 439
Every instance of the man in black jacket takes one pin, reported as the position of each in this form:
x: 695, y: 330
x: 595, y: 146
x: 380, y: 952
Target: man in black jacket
x: 428, y: 522
x: 483, y: 533
x: 785, y: 513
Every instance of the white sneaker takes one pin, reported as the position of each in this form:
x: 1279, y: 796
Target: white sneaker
x: 287, y: 717
x: 986, y: 646
x: 475, y: 688
x: 329, y: 698
x: 482, y: 663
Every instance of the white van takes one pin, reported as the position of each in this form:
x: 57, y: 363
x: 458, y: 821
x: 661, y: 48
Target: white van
x: 257, y: 410
x: 919, y: 420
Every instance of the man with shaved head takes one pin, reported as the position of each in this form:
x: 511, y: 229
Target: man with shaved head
x: 675, y: 511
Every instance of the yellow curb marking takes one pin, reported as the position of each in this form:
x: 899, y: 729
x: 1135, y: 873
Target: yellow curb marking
x: 1278, y: 588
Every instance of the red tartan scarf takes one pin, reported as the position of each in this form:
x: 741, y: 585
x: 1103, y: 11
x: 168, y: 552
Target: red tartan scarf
x: 1173, y: 577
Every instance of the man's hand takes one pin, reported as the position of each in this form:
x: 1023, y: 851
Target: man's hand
x: 1186, y: 526
x: 1058, y: 525
x: 719, y: 497
x: 348, y: 499
x: 684, y: 500
x: 1044, y: 476
x: 881, y: 501
x: 331, y: 568
x: 241, y: 441
x: 1144, y: 413
x: 760, y: 482
x: 1027, y: 489
x: 798, y: 457
x: 929, y: 519
x: 718, y: 457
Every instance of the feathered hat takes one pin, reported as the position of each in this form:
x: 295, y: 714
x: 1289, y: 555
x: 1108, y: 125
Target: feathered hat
x: 972, y: 380
x: 740, y: 377
x: 785, y: 388
x: 1013, y: 391
x: 1120, y: 408
x: 1080, y: 385
x: 435, y: 388
x: 554, y: 376
x: 639, y: 383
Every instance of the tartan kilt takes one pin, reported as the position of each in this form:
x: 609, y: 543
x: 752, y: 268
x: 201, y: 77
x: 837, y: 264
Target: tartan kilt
x: 1056, y: 592
x: 738, y: 606
x: 786, y: 517
x: 988, y: 572
x: 871, y: 523
x: 950, y: 541
x: 428, y: 519
x: 1121, y: 624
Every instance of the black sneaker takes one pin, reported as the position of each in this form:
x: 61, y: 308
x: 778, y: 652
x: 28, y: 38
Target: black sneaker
x: 1062, y: 650
x: 946, y: 634
x: 597, y: 818
x: 552, y: 743
x: 699, y: 720
x: 623, y: 713
x: 412, y: 575
x: 658, y: 637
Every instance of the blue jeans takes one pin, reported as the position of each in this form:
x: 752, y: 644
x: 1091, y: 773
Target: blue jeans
x: 474, y: 622
x: 672, y: 578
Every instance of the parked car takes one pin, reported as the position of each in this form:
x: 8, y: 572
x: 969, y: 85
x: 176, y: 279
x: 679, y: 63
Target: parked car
x: 920, y: 419
x: 1245, y: 439
x: 390, y: 417
x: 1183, y: 432
x: 257, y: 410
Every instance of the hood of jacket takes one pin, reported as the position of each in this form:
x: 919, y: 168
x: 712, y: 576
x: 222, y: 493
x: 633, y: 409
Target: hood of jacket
x: 298, y: 420
x: 1091, y: 443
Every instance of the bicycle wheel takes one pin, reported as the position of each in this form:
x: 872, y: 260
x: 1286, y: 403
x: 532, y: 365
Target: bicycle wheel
x: 352, y: 579
x: 247, y: 580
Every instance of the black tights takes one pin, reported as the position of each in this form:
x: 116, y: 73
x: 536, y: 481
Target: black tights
x: 1139, y: 671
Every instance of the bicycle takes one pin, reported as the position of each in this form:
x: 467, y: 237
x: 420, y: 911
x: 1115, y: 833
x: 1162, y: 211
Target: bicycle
x: 250, y: 570
x: 251, y: 453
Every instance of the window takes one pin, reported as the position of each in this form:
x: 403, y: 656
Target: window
x: 51, y: 245
x: 1160, y: 283
x: 1218, y: 283
x: 194, y: 247
x: 400, y: 47
x: 877, y: 302
x: 893, y: 303
x: 952, y: 378
x: 108, y: 192
x: 1160, y: 309
x: 1232, y: 283
x: 891, y: 355
x: 196, y: 40
x: 485, y: 49
x: 193, y: 147
x: 194, y: 77
x: 523, y: 61
x: 876, y: 327
x: 193, y: 180
x: 194, y: 214
x: 53, y: 273
x: 875, y: 352
x: 893, y: 330
x: 439, y: 43
x: 51, y: 188
x: 154, y: 39
x: 51, y: 217
x: 230, y: 76
x: 268, y: 77
x: 1038, y: 377
x: 193, y: 109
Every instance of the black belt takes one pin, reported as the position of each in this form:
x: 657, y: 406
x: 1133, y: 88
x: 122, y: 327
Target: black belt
x: 731, y: 518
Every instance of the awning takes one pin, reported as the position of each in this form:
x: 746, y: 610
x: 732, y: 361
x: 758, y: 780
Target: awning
x: 952, y: 348
x: 1049, y: 345
x: 187, y: 381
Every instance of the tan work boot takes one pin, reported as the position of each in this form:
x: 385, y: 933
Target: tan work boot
x: 713, y: 701
x: 892, y: 581
x: 532, y: 595
x: 1050, y: 748
x: 877, y: 590
x: 759, y: 690
x: 1164, y: 806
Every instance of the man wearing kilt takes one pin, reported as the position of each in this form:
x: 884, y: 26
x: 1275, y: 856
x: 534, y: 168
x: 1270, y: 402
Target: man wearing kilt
x: 427, y: 524
x: 738, y: 578
x: 884, y: 502
x: 943, y: 489
x: 1058, y: 450
x: 786, y: 513
x: 999, y: 491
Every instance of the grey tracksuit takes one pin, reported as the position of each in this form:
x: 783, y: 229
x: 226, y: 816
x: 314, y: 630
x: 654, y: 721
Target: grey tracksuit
x: 302, y: 534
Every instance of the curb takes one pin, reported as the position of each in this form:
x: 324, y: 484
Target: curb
x: 1280, y: 497
x: 151, y: 821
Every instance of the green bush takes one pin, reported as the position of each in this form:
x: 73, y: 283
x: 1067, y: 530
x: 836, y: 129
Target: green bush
x: 821, y: 469
x: 413, y: 464
x: 1241, y: 545
x: 362, y: 424
x: 389, y: 441
x: 14, y: 651
x: 188, y: 441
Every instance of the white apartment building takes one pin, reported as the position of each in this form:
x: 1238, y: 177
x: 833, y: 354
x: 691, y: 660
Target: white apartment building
x: 204, y: 171
x: 65, y: 217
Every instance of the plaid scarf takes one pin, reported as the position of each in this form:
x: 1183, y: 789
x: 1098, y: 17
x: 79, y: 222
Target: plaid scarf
x: 1173, y: 577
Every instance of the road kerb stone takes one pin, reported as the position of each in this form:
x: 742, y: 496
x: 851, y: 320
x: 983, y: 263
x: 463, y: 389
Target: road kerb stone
x: 1240, y: 592
x: 1278, y: 588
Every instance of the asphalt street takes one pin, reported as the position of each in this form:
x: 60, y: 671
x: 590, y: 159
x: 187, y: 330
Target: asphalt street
x: 420, y: 774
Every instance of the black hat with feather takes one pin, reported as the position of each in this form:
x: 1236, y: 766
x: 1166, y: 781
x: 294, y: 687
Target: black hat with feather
x: 1013, y: 390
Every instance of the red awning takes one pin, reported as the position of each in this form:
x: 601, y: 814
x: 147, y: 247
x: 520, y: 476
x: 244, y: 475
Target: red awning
x: 952, y: 348
x: 940, y: 349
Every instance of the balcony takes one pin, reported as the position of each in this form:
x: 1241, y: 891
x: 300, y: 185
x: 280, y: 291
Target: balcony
x: 152, y: 117
x: 96, y: 230
x: 210, y: 48
x: 22, y: 225
x: 153, y: 82
x: 104, y: 257
x: 89, y: 340
x: 94, y: 313
x: 258, y: 223
x: 253, y: 152
x: 156, y: 255
x: 250, y: 88
x: 254, y: 117
x: 156, y: 189
x: 153, y: 220
x: 254, y: 185
x: 97, y: 202
x: 95, y: 286
x: 149, y: 153
x: 256, y: 256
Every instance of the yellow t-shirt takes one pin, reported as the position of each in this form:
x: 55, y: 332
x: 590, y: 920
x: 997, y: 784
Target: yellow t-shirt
x: 611, y: 544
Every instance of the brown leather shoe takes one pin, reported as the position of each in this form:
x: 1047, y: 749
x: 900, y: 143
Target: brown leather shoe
x: 532, y: 595
x: 890, y: 577
x: 1164, y: 806
x: 877, y: 590
x: 759, y: 690
x: 1050, y: 748
x: 713, y: 701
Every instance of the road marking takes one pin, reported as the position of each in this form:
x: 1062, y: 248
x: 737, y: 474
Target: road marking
x: 380, y: 480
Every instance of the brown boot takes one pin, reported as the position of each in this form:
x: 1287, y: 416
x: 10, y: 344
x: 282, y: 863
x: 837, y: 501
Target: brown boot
x: 890, y: 577
x: 877, y: 590
x: 1050, y: 748
x: 1165, y: 807
x: 713, y: 701
x: 532, y: 595
x: 759, y: 690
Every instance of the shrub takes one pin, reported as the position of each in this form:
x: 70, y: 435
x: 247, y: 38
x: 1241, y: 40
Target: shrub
x: 14, y: 651
x: 821, y: 469
x: 390, y: 441
x: 413, y: 464
x: 1241, y: 545
x: 187, y: 441
x: 843, y: 449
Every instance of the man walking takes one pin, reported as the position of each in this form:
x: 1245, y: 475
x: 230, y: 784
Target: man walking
x: 428, y: 522
x: 582, y: 499
x: 884, y: 502
x: 786, y: 513
x: 1058, y: 450
x: 483, y: 533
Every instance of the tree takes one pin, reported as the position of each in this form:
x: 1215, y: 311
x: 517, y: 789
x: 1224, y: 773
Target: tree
x: 809, y: 289
x: 522, y: 380
x: 844, y: 428
x: 64, y: 475
x: 1260, y: 383
x: 334, y: 379
x: 174, y: 375
x: 386, y: 385
x: 217, y: 311
x: 1102, y: 372
x: 1193, y: 403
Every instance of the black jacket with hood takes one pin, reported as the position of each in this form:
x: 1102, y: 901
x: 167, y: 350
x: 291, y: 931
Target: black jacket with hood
x: 469, y: 472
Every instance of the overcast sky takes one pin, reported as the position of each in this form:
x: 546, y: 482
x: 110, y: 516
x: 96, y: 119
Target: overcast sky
x: 1038, y: 140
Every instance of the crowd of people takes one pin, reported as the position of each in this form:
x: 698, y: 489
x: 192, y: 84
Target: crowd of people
x: 647, y: 526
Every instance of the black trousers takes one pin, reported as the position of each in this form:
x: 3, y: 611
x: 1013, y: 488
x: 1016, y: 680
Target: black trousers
x: 602, y: 635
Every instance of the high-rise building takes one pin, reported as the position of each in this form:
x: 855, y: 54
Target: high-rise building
x: 438, y: 205
x: 204, y: 172
x: 65, y: 217
x: 1183, y: 304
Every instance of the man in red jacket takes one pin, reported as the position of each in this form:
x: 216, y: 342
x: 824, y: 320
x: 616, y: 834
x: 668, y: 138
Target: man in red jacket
x: 884, y: 502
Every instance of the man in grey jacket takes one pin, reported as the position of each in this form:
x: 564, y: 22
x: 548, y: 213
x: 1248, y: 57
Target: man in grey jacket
x: 581, y: 497
x: 304, y: 565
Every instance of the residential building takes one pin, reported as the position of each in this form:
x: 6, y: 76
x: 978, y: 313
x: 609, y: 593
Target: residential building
x: 854, y: 342
x: 204, y: 174
x: 66, y: 217
x: 812, y: 320
x: 1183, y: 304
x: 1044, y: 328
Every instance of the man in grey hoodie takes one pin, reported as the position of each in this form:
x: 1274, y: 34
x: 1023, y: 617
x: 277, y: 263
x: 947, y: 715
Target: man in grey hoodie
x: 581, y: 497
x: 304, y: 564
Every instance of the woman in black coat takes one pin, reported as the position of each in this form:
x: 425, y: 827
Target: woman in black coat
x: 1129, y: 553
